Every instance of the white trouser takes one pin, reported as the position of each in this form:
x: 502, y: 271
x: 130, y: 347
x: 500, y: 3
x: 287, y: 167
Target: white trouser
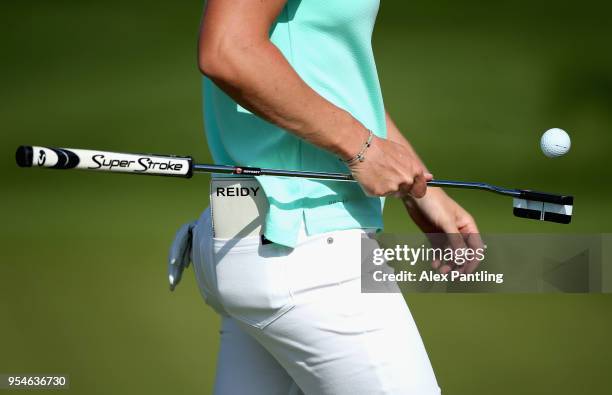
x: 295, y: 320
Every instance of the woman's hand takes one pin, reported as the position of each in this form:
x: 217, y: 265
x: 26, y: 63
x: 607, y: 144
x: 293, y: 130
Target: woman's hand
x: 391, y: 169
x: 447, y: 225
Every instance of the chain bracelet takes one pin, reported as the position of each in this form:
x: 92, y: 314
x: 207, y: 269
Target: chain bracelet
x: 360, y: 157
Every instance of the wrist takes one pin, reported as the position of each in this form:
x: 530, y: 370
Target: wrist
x: 432, y: 193
x: 360, y: 157
x: 350, y: 139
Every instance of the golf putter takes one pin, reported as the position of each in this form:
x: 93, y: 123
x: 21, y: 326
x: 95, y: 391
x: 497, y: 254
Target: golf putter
x: 530, y: 204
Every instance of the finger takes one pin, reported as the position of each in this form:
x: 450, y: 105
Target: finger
x: 456, y: 243
x: 419, y: 186
x: 404, y: 190
x: 441, y: 242
x: 436, y: 241
x: 472, y: 238
x: 468, y: 225
x: 446, y: 268
x: 474, y: 242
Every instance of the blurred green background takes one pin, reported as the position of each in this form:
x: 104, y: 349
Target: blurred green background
x: 83, y: 286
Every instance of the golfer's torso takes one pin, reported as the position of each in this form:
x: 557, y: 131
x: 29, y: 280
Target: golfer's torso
x: 328, y: 43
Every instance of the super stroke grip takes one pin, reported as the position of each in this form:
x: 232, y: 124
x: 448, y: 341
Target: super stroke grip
x: 68, y: 158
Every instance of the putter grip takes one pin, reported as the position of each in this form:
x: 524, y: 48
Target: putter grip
x: 115, y: 162
x: 23, y: 156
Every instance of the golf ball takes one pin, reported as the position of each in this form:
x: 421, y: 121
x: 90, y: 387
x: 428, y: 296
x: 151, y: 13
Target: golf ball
x: 555, y: 142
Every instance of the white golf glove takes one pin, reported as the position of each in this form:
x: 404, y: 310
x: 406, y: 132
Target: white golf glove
x: 179, y: 257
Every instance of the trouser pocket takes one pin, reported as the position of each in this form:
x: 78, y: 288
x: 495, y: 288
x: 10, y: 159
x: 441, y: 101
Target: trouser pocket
x: 252, y: 280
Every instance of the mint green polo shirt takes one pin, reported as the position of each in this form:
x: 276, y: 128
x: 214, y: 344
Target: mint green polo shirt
x: 328, y: 43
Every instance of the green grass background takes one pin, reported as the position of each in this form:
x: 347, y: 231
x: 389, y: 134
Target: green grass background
x: 473, y: 84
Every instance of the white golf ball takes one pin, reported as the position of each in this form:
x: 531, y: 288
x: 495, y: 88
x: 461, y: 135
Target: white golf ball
x: 555, y: 142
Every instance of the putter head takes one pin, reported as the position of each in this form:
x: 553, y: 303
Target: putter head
x: 544, y: 206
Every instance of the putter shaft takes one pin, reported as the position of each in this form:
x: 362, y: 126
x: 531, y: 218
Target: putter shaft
x: 255, y: 171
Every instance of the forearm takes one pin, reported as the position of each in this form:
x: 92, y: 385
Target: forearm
x: 236, y: 54
x: 262, y: 80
